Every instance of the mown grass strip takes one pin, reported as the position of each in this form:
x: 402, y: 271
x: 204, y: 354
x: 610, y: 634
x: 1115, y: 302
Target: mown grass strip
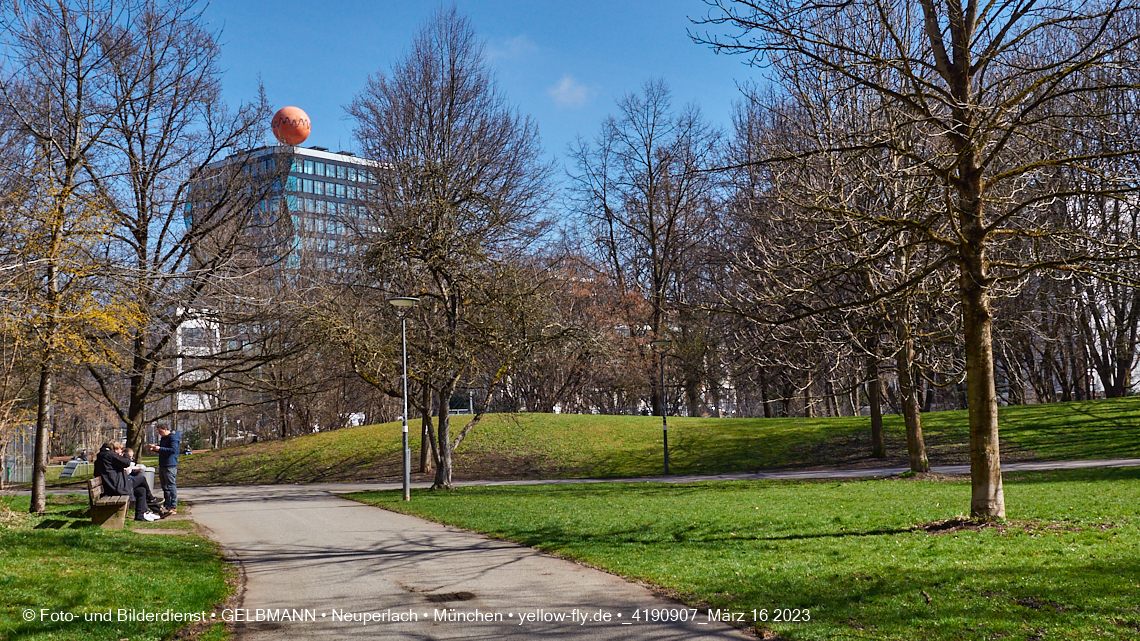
x: 61, y: 564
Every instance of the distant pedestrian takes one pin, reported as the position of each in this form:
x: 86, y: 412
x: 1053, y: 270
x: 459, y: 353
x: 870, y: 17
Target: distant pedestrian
x: 168, y: 448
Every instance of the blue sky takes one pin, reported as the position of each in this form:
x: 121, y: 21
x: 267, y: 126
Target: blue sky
x: 563, y: 63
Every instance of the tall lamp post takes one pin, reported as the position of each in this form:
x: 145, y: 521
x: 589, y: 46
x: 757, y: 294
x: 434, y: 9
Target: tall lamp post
x: 403, y: 305
x: 661, y: 344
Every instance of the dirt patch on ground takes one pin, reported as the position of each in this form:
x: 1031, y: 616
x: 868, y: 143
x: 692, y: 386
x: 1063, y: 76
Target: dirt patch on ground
x: 961, y: 524
x: 930, y: 476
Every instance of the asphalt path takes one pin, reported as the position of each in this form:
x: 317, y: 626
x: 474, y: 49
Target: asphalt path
x: 349, y: 570
x: 324, y: 567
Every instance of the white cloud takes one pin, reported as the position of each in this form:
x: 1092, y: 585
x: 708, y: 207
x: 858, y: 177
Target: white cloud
x: 570, y: 93
x: 517, y: 48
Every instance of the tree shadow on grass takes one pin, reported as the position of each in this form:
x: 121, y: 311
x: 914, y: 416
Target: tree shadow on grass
x: 51, y: 524
x: 1076, y: 475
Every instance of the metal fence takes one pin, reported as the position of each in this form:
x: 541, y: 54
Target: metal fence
x: 18, y: 455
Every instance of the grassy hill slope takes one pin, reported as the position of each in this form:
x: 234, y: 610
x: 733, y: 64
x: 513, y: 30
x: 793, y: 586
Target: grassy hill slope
x: 567, y: 446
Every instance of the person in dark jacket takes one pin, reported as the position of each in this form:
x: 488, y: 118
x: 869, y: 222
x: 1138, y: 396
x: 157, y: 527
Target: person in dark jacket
x: 113, y: 468
x: 168, y: 447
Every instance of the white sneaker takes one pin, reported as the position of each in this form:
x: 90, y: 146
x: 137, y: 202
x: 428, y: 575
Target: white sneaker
x: 151, y: 516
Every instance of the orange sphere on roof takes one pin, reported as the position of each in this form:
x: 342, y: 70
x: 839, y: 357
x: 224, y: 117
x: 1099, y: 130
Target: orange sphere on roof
x: 291, y: 125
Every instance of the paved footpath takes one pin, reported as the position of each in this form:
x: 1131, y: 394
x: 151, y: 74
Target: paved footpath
x: 303, y: 548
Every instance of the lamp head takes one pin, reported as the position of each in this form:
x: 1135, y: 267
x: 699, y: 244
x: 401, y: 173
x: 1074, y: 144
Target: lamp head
x: 660, y: 343
x: 404, y: 303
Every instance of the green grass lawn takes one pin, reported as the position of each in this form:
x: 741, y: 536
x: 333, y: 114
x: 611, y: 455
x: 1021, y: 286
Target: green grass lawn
x: 568, y: 446
x: 854, y: 554
x: 59, y: 562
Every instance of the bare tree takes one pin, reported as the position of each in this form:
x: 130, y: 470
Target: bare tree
x: 981, y: 85
x: 461, y: 190
x: 56, y: 94
x: 645, y: 193
x: 170, y: 126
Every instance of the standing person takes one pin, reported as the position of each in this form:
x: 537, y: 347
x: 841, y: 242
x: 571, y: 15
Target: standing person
x: 113, y: 468
x: 168, y: 448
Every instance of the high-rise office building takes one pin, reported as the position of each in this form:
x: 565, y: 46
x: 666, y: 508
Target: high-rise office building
x: 312, y: 206
x: 302, y: 216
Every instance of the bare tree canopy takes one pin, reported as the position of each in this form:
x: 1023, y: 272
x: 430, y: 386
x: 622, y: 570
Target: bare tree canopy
x: 983, y: 97
x: 644, y: 192
x: 461, y: 189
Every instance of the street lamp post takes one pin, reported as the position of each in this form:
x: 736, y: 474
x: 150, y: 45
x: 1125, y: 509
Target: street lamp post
x: 403, y: 305
x: 661, y: 344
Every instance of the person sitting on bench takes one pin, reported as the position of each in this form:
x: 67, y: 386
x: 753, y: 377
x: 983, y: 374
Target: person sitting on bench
x: 112, y: 467
x: 135, y: 471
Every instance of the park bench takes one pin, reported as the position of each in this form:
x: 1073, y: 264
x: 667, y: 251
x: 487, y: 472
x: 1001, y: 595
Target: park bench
x: 109, y: 512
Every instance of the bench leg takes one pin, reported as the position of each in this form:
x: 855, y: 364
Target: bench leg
x: 109, y: 517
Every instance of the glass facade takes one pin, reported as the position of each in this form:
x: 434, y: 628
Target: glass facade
x: 306, y: 203
x: 324, y: 203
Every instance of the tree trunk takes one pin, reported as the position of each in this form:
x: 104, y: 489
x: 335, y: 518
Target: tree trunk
x: 915, y: 446
x: 987, y: 496
x: 764, y: 398
x: 878, y: 444
x: 809, y: 402
x: 282, y: 415
x: 693, y: 396
x: 43, y: 427
x: 44, y: 400
x: 443, y: 471
x: 658, y: 395
x: 1122, y: 381
x: 425, y: 432
x: 789, y: 395
x: 715, y: 394
x: 830, y: 401
x: 136, y: 394
x: 135, y: 410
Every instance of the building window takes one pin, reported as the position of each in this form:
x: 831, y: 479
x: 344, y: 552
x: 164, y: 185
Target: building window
x: 320, y: 169
x: 340, y: 191
x: 341, y: 172
x: 308, y: 166
x: 195, y: 337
